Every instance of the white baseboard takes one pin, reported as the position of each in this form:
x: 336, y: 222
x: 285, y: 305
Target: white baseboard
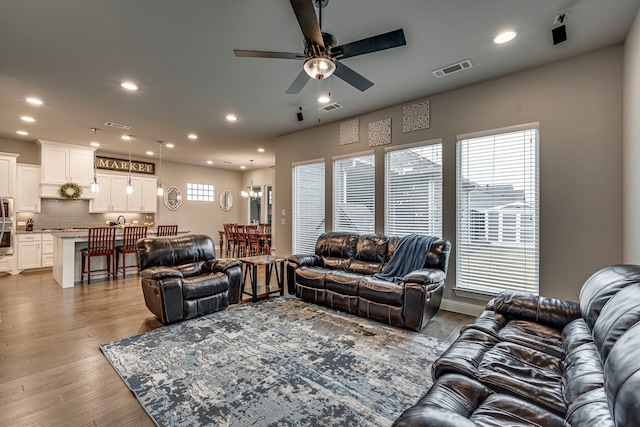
x: 461, y: 307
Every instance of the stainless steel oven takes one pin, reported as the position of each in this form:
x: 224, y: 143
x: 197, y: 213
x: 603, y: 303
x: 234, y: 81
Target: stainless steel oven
x: 6, y: 226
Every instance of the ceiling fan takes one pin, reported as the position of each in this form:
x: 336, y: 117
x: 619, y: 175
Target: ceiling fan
x: 321, y: 53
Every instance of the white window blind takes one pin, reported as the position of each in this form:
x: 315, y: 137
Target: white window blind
x: 308, y: 206
x: 498, y: 211
x: 354, y: 194
x: 413, y: 191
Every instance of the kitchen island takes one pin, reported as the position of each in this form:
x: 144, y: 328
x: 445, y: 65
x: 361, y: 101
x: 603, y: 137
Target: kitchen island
x: 67, y: 256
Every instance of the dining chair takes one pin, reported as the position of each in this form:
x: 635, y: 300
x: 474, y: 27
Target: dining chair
x: 265, y: 238
x: 240, y: 239
x: 131, y: 236
x: 167, y: 230
x: 102, y: 241
x: 253, y: 239
x: 228, y: 235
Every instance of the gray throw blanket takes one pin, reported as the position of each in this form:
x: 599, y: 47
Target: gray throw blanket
x: 411, y: 254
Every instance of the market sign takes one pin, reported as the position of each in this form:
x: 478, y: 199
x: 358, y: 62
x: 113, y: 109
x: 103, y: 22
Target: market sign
x: 121, y: 165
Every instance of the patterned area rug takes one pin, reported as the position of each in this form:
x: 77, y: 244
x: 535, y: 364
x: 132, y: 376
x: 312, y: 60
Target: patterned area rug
x: 278, y: 362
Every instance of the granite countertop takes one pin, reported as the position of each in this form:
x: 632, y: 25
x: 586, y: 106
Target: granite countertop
x: 69, y: 233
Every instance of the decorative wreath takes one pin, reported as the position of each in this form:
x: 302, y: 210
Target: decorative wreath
x: 70, y: 191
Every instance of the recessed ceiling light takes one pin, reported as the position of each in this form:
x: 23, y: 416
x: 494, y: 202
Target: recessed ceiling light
x: 94, y: 144
x: 231, y: 118
x: 209, y: 162
x: 126, y: 137
x: 504, y: 37
x: 260, y: 150
x: 21, y: 132
x: 169, y: 145
x: 129, y: 85
x: 243, y: 167
x: 149, y: 153
x: 192, y: 136
x: 34, y: 101
x: 323, y: 99
x: 27, y: 119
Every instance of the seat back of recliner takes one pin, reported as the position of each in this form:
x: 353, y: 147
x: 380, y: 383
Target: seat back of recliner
x: 601, y: 286
x: 336, y: 249
x: 174, y: 251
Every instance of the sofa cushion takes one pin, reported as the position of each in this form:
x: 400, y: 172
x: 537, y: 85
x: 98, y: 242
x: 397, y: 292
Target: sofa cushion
x: 601, y: 286
x: 336, y: 245
x: 617, y: 316
x: 381, y: 291
x: 311, y: 277
x: 205, y: 285
x: 342, y: 282
x: 371, y: 252
x: 581, y: 372
x: 190, y: 269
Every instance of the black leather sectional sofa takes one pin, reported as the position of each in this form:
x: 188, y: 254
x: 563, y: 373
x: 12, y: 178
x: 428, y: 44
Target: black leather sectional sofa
x: 340, y: 274
x: 529, y: 360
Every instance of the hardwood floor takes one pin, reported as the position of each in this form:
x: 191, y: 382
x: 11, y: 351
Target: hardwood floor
x: 52, y: 372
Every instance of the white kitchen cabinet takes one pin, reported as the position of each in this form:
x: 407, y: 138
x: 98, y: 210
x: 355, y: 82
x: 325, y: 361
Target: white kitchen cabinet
x: 29, y: 251
x: 8, y: 174
x: 144, y: 197
x: 34, y: 250
x: 63, y: 163
x: 28, y: 194
x: 112, y: 196
x: 47, y: 250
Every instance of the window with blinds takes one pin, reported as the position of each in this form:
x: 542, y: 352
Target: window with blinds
x: 354, y: 194
x: 413, y: 190
x: 498, y: 211
x: 308, y: 206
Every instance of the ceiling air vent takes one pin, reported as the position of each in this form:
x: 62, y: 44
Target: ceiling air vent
x: 330, y: 107
x: 453, y: 68
x: 117, y: 125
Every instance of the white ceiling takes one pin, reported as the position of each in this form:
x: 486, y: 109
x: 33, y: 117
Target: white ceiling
x: 74, y: 54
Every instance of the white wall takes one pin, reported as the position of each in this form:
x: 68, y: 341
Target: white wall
x: 632, y: 144
x: 578, y: 103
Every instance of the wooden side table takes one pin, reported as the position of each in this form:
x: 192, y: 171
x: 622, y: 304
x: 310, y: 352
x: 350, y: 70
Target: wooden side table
x: 270, y: 264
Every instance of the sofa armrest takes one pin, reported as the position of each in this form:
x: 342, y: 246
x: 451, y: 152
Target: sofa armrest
x: 160, y: 273
x: 308, y: 260
x: 552, y: 312
x: 222, y: 265
x: 425, y: 276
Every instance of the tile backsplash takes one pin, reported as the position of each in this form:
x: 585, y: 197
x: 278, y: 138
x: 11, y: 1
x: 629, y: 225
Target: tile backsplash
x: 58, y: 213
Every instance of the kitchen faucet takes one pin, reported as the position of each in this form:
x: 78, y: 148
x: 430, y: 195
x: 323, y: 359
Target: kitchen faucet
x: 124, y: 221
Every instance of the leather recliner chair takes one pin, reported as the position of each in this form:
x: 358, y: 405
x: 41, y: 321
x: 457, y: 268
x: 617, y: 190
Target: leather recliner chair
x: 182, y: 278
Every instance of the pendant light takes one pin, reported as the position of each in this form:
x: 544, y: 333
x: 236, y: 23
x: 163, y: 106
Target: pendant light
x: 95, y: 186
x: 160, y: 189
x: 250, y: 193
x: 129, y: 188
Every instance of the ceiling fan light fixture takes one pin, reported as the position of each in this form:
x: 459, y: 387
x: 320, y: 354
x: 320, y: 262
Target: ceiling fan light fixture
x: 319, y: 67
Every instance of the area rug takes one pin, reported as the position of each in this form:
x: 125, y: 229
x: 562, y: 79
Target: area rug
x: 278, y: 362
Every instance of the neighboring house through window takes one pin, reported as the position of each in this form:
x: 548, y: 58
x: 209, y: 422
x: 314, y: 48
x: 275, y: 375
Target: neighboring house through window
x: 413, y: 190
x: 498, y: 208
x: 354, y: 194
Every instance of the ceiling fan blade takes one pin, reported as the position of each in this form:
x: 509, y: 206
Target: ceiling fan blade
x: 298, y: 83
x: 264, y: 54
x: 306, y: 15
x: 372, y: 44
x: 351, y: 77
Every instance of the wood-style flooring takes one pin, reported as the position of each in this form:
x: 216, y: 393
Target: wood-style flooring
x: 52, y: 372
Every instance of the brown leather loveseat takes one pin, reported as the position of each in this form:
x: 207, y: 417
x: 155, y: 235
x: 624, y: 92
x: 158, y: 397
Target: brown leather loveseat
x: 182, y: 278
x: 342, y: 272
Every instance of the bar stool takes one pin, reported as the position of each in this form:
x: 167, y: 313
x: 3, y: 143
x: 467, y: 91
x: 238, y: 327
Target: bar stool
x: 167, y: 230
x: 102, y: 241
x: 131, y: 236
